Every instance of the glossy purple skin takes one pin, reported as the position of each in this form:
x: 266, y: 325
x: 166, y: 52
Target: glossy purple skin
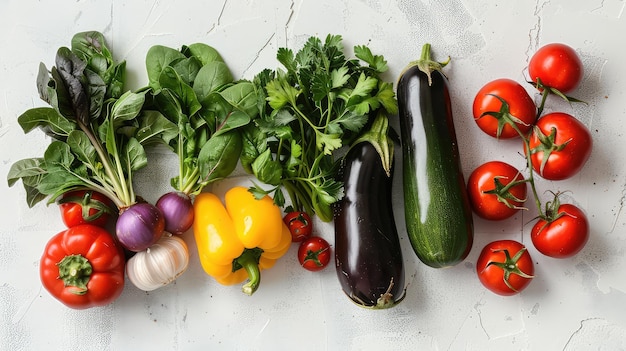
x: 368, y: 255
x: 177, y: 208
x: 140, y: 226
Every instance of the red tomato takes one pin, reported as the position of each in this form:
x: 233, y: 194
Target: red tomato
x: 564, y: 234
x: 496, y: 190
x: 495, y: 118
x: 83, y: 267
x: 560, y: 146
x: 300, y: 225
x: 314, y: 253
x: 505, y: 267
x: 556, y: 66
x: 85, y: 206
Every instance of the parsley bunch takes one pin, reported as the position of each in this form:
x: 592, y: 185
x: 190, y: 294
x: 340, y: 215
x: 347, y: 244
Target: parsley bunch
x: 309, y: 110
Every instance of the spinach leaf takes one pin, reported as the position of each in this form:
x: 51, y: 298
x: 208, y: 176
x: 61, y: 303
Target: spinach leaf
x: 157, y: 59
x: 48, y: 119
x: 219, y: 156
x: 211, y: 77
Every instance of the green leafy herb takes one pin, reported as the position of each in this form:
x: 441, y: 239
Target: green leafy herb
x: 309, y: 110
x: 98, y: 131
x: 194, y: 89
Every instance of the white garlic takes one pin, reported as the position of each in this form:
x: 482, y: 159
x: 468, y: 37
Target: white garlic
x: 160, y: 264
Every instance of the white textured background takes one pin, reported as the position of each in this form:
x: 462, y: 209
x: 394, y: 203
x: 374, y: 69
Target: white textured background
x: 572, y: 304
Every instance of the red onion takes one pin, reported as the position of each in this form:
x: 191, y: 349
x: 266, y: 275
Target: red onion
x: 177, y: 209
x: 140, y: 226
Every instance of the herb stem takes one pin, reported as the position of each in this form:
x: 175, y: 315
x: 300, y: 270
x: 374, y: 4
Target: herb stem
x: 124, y: 193
x: 108, y: 168
x: 181, y: 161
x: 190, y: 180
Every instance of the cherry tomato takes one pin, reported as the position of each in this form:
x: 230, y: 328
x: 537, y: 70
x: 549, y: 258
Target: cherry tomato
x: 564, y: 234
x: 556, y: 66
x: 83, y: 267
x: 85, y: 207
x: 299, y: 224
x: 505, y: 267
x: 496, y: 190
x: 560, y: 146
x: 314, y: 253
x: 495, y: 118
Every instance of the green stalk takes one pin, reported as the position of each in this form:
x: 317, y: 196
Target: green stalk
x: 118, y: 188
x: 249, y: 260
x: 190, y: 181
x: 124, y: 192
x: 181, y: 162
x: 529, y: 163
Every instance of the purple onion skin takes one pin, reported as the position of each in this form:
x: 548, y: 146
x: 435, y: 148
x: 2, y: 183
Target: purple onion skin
x: 177, y: 208
x: 140, y: 226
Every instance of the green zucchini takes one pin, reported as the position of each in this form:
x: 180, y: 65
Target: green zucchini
x: 438, y: 215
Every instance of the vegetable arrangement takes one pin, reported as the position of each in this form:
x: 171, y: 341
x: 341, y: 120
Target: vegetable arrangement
x: 556, y: 146
x: 317, y: 129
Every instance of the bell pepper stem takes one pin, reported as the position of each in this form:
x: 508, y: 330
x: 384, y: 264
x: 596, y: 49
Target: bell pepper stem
x: 249, y: 260
x: 75, y: 272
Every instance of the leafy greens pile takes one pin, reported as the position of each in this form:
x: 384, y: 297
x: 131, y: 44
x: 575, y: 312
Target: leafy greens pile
x: 98, y: 131
x: 320, y: 102
x: 195, y: 90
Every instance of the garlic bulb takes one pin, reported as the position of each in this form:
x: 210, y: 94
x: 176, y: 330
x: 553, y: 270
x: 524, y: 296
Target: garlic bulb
x: 160, y: 264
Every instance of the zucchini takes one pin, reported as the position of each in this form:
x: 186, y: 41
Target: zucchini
x: 438, y: 215
x: 368, y: 255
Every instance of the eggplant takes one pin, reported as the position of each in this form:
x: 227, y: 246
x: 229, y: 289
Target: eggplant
x: 368, y: 255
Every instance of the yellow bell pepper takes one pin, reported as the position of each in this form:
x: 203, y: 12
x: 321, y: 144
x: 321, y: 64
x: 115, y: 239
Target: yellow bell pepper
x: 240, y: 237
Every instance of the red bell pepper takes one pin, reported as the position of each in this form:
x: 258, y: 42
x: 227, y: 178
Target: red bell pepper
x: 83, y: 267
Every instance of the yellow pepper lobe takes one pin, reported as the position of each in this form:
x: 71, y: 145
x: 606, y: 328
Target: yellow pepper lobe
x: 215, y: 236
x: 283, y: 246
x: 258, y: 223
